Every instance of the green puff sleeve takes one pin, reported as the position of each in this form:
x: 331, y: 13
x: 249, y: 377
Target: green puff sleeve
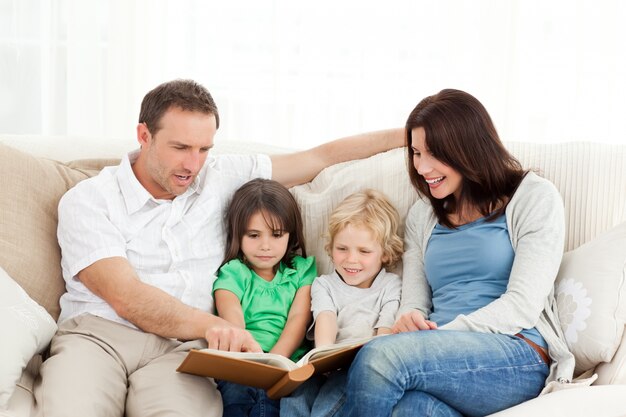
x: 306, y: 269
x: 234, y: 277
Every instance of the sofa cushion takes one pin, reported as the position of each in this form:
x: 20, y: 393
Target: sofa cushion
x: 385, y: 172
x: 590, y: 291
x: 30, y: 189
x: 613, y: 372
x: 27, y: 328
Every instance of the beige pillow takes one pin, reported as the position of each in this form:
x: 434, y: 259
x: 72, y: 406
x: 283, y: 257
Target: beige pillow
x: 385, y: 172
x: 27, y: 329
x: 30, y: 189
x: 590, y: 295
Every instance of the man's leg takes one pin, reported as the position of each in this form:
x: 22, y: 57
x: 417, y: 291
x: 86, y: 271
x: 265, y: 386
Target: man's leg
x: 155, y: 388
x: 84, y: 375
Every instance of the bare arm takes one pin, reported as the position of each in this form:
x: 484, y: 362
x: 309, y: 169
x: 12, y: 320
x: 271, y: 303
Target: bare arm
x: 325, y: 328
x: 297, y: 322
x: 155, y: 311
x: 300, y: 167
x: 229, y: 308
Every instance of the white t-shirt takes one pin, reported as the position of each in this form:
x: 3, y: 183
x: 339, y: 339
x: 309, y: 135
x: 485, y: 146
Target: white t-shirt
x: 175, y: 245
x: 360, y: 311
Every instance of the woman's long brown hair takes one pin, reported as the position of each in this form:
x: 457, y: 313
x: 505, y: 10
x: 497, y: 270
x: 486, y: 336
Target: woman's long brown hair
x: 460, y: 134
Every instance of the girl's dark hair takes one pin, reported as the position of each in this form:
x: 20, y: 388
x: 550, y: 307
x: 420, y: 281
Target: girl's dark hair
x: 460, y: 134
x: 279, y: 208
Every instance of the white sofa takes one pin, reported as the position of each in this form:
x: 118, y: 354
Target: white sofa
x: 590, y: 288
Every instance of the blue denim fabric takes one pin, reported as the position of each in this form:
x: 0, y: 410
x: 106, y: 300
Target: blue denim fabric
x: 320, y: 396
x: 243, y: 401
x: 442, y: 373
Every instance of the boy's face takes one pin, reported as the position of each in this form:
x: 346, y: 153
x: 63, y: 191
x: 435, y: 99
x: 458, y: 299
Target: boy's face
x: 357, y: 256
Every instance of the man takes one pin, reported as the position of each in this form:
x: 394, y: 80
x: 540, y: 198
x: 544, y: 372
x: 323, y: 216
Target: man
x: 140, y: 243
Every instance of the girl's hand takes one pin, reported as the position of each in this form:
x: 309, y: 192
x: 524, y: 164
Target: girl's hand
x: 412, y: 321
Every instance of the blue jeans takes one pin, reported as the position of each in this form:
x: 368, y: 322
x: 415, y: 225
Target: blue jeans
x: 320, y: 396
x: 244, y: 401
x: 442, y: 373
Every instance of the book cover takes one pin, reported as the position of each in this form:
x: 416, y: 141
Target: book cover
x: 276, y: 374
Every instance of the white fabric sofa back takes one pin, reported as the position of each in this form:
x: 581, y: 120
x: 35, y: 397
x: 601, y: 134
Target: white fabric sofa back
x: 590, y: 177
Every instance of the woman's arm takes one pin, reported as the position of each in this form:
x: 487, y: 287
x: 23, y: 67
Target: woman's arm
x: 415, y: 301
x: 297, y: 322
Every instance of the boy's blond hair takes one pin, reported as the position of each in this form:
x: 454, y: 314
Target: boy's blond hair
x: 370, y: 209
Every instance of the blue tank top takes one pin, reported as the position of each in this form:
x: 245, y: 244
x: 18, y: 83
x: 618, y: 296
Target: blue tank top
x: 468, y: 268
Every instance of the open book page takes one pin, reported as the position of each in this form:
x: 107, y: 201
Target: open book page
x: 278, y: 375
x: 323, y: 351
x: 270, y: 359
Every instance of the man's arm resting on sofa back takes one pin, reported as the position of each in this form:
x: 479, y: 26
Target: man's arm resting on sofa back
x: 300, y: 167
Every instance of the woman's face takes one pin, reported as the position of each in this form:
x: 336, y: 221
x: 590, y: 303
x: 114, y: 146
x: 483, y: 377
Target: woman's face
x: 442, y: 180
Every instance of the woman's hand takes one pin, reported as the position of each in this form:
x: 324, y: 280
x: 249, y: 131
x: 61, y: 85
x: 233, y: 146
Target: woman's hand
x: 412, y: 321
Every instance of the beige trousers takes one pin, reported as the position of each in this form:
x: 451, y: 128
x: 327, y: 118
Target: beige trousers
x: 101, y: 368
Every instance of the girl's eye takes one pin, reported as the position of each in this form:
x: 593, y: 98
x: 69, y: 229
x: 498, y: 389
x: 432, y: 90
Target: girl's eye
x: 278, y: 234
x: 252, y: 235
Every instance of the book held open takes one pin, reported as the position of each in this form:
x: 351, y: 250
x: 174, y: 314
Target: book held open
x: 276, y: 374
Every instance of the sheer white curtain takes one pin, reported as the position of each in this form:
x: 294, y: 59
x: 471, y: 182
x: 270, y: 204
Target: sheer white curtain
x: 296, y: 74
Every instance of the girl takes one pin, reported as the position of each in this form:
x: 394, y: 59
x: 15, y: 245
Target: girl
x: 483, y: 247
x: 359, y: 299
x: 264, y: 283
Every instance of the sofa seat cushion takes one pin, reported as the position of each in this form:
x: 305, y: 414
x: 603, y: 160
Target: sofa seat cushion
x: 30, y: 189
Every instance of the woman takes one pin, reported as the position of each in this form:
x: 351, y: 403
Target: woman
x: 476, y: 327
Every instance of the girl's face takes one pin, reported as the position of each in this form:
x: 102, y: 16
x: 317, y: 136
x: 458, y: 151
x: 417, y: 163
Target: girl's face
x: 263, y: 247
x: 357, y: 256
x: 442, y: 180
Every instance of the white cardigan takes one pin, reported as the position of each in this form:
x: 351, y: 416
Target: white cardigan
x: 536, y: 224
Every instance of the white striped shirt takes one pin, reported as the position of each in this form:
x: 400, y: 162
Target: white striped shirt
x: 175, y: 245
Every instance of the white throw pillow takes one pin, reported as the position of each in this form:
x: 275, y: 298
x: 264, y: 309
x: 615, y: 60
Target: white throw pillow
x: 27, y: 329
x: 590, y: 295
x: 385, y: 172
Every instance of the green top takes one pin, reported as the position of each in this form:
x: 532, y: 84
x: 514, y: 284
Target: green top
x: 266, y: 304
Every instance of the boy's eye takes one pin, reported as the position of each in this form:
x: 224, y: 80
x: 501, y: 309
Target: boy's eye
x: 340, y: 248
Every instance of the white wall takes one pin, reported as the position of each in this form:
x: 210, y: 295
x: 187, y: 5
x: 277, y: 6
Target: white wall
x: 296, y: 74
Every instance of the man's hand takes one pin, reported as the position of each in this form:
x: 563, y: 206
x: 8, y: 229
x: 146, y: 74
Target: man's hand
x: 234, y: 339
x: 412, y: 321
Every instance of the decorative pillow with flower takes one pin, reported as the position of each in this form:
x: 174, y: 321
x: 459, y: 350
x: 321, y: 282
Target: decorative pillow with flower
x: 590, y: 292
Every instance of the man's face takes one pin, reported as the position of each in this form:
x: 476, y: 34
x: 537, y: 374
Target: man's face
x: 170, y: 160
